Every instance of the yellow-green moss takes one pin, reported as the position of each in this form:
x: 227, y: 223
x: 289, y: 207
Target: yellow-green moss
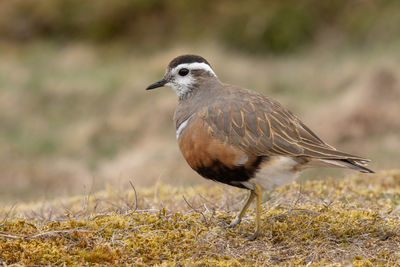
x: 330, y: 222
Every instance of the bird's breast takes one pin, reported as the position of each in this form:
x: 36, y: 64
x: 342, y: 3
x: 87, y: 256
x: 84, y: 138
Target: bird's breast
x: 212, y: 158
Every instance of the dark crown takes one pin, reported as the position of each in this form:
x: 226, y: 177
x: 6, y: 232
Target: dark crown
x: 187, y: 59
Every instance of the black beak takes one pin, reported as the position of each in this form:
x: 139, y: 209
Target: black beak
x: 155, y: 85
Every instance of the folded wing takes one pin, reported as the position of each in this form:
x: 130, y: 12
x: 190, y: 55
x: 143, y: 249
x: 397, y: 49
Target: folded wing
x: 261, y: 126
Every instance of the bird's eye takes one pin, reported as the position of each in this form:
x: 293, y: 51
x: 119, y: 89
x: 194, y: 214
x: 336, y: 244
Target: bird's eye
x: 183, y: 72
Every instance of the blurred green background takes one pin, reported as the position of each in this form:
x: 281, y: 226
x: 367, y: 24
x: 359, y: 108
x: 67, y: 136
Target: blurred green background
x: 74, y: 115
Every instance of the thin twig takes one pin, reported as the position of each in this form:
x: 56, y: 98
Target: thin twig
x: 8, y: 214
x: 9, y: 236
x: 58, y: 232
x: 208, y: 201
x: 136, y: 197
x: 49, y: 233
x: 86, y: 199
x: 202, y: 214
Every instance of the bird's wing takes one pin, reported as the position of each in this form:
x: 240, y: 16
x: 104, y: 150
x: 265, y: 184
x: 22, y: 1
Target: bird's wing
x: 262, y: 127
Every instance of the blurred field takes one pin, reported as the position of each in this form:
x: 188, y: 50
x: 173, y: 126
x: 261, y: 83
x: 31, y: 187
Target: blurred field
x: 268, y: 27
x: 76, y: 117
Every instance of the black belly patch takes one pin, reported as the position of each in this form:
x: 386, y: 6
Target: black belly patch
x: 232, y: 176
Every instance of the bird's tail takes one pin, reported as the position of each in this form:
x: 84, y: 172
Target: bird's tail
x: 354, y: 164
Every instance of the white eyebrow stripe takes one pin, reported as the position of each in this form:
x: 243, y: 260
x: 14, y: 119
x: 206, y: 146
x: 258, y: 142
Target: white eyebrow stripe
x: 196, y: 66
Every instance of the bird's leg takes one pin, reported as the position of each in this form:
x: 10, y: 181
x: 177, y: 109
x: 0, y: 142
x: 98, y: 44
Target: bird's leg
x: 238, y: 218
x: 257, y: 191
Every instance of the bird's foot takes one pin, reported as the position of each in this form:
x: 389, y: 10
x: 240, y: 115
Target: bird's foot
x: 235, y: 222
x: 253, y: 236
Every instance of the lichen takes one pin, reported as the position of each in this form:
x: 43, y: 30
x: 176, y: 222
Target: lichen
x: 354, y: 220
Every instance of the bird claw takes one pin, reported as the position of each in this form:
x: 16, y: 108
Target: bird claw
x: 235, y: 222
x: 253, y: 236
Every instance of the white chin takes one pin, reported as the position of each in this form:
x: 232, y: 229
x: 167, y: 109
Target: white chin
x: 179, y: 90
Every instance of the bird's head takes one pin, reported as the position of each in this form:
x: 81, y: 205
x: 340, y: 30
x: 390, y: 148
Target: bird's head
x: 185, y: 74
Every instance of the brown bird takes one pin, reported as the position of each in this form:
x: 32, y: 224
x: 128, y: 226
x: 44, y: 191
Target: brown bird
x: 242, y: 138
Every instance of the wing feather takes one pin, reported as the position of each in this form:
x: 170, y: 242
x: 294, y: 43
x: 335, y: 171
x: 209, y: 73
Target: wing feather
x: 262, y: 127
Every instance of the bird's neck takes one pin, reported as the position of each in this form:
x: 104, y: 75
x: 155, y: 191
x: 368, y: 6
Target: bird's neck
x: 194, y: 101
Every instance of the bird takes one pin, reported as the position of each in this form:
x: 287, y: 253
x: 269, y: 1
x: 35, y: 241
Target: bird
x: 240, y: 137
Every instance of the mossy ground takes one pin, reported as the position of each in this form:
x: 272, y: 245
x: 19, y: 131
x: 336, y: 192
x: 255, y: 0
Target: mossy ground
x: 352, y: 220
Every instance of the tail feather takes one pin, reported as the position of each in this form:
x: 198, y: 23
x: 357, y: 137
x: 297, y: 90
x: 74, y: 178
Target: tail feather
x: 348, y: 163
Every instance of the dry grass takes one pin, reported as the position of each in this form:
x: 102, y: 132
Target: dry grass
x: 352, y: 220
